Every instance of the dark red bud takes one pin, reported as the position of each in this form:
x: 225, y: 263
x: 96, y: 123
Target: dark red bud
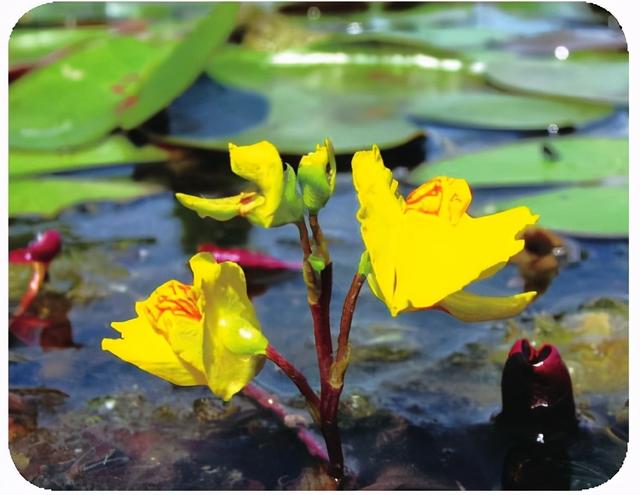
x: 44, y: 248
x: 536, y: 387
x: 248, y: 259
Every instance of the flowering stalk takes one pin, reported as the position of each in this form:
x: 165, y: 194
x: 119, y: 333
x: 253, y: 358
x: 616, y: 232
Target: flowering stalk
x: 35, y: 284
x: 271, y: 403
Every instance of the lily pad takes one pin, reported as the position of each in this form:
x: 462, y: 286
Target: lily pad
x: 601, y: 211
x: 384, y: 65
x: 296, y: 121
x: 46, y: 197
x: 534, y: 161
x: 28, y: 46
x: 78, y: 99
x: 594, y: 80
x: 504, y: 111
x: 181, y: 67
x: 115, y: 150
x: 116, y: 81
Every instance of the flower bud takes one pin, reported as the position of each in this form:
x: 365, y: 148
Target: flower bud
x: 44, y: 248
x: 536, y: 388
x: 317, y: 175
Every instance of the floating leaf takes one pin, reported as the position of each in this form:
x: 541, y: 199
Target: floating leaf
x: 77, y: 99
x: 354, y: 91
x: 181, y: 67
x: 46, y: 197
x: 115, y: 81
x: 27, y: 46
x: 597, y: 80
x: 505, y: 111
x: 385, y: 65
x: 534, y: 161
x: 580, y: 211
x: 295, y: 123
x: 114, y: 150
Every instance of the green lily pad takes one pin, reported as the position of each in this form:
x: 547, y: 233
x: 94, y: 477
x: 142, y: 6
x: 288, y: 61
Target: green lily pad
x: 534, y: 161
x: 505, y: 111
x: 594, y: 80
x: 298, y: 120
x: 115, y: 150
x: 601, y: 211
x: 77, y: 99
x: 181, y: 67
x: 46, y: 197
x: 116, y: 81
x: 384, y: 65
x: 355, y: 92
x: 27, y: 46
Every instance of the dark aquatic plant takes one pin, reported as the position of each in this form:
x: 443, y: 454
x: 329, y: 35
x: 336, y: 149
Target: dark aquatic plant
x: 420, y: 253
x: 536, y: 389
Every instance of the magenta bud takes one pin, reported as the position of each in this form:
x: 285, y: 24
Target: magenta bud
x: 536, y: 388
x: 44, y: 248
x: 248, y: 259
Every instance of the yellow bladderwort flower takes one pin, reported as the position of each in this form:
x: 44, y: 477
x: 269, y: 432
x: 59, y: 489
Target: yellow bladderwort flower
x: 317, y: 175
x: 277, y: 201
x: 425, y: 249
x: 201, y: 334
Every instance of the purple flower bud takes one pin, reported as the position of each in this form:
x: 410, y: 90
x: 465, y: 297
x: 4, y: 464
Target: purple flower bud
x: 536, y: 388
x: 43, y: 248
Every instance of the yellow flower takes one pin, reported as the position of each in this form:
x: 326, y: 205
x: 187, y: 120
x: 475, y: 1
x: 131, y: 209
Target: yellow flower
x: 277, y: 200
x: 425, y: 249
x: 201, y: 334
x: 317, y: 175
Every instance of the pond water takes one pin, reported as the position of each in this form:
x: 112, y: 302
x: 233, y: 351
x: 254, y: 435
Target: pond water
x: 421, y: 390
x: 419, y: 395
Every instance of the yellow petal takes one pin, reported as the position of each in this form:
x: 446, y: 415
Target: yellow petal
x: 380, y: 215
x: 233, y: 343
x: 174, y: 311
x: 143, y: 347
x: 222, y: 209
x: 471, y: 307
x: 261, y: 164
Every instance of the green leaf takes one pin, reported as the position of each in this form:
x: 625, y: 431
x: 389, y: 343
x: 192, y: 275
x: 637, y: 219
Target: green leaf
x: 46, y: 197
x: 114, y: 150
x: 599, y: 80
x: 384, y: 65
x: 181, y: 67
x: 298, y: 120
x: 27, y: 46
x: 534, y: 161
x: 116, y: 81
x: 505, y: 111
x: 601, y: 211
x: 78, y: 99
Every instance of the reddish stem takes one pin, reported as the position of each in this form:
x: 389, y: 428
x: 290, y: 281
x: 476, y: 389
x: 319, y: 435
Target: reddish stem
x: 348, y: 308
x: 296, y: 377
x: 270, y: 402
x: 35, y: 284
x: 331, y: 401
